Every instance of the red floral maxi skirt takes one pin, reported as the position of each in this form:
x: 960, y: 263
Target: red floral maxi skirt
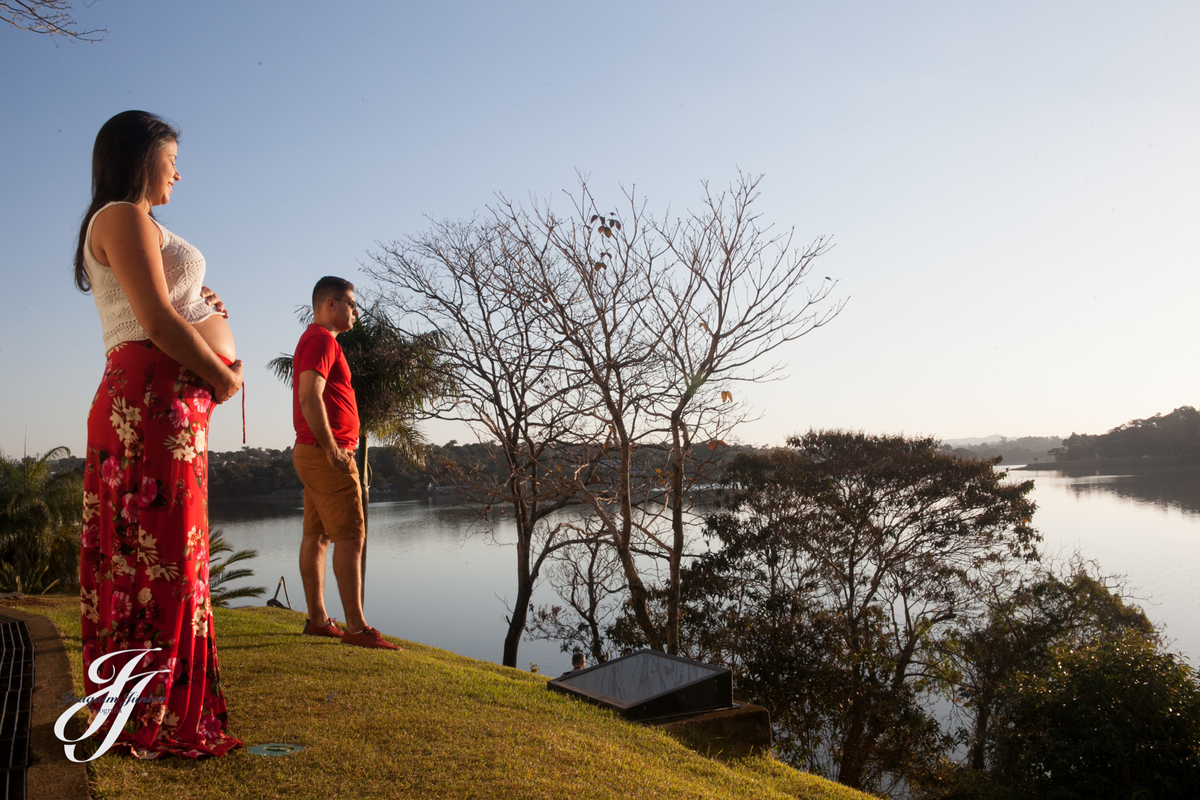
x: 143, y: 571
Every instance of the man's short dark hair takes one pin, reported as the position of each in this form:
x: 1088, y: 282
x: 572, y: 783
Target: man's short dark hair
x: 329, y: 286
x: 576, y: 658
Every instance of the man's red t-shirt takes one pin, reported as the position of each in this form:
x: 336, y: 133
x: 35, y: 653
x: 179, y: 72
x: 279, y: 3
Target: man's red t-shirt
x: 319, y: 350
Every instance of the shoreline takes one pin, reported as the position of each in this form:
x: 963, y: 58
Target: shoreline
x: 1120, y: 462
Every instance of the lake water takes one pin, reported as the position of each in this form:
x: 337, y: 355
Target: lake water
x: 1145, y: 526
x: 435, y: 578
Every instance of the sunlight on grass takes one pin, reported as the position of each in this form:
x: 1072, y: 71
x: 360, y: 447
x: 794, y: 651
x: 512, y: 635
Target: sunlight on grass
x: 421, y: 723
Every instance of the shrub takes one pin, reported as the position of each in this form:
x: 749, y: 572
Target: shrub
x: 1116, y: 718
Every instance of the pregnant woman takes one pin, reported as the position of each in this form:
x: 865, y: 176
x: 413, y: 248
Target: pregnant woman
x: 144, y: 562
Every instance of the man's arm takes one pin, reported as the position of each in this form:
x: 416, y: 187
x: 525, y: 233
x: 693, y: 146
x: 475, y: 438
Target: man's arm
x: 312, y: 406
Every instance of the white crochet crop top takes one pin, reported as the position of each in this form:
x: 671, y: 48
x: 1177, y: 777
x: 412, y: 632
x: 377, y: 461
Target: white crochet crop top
x: 183, y: 267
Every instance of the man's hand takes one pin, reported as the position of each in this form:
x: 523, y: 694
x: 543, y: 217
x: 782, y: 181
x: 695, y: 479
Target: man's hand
x: 211, y: 298
x: 311, y: 388
x: 339, y: 458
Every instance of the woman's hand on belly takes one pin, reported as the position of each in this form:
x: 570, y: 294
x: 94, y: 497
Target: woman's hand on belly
x: 214, y: 301
x: 215, y: 331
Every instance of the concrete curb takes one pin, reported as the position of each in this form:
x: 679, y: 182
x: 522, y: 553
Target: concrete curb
x: 51, y: 776
x: 727, y: 733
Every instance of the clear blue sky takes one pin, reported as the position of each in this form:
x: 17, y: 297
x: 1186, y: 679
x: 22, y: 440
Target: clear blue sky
x: 1013, y: 188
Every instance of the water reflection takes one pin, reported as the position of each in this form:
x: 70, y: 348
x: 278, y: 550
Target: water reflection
x: 241, y: 510
x: 1163, y: 487
x: 1140, y: 523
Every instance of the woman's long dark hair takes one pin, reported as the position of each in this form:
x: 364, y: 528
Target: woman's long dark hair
x: 123, y: 159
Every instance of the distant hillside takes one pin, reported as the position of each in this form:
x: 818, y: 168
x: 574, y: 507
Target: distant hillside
x: 1170, y: 436
x: 252, y: 471
x: 974, y: 441
x: 1025, y: 450
x: 1175, y: 434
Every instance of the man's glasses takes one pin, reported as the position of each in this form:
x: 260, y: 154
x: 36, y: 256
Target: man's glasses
x: 353, y: 305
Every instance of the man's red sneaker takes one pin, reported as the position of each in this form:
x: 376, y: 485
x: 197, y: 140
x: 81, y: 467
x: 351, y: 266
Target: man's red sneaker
x: 369, y: 637
x: 328, y: 629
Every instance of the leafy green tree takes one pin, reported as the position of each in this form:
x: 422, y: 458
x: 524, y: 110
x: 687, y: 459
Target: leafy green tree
x: 219, y: 573
x: 1116, y: 718
x: 838, y: 565
x: 39, y: 524
x: 1019, y: 678
x: 1019, y: 634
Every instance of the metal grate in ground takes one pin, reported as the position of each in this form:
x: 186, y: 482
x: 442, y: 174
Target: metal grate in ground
x: 16, y: 703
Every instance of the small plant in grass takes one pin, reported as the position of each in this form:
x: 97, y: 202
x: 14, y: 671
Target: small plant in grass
x: 219, y: 574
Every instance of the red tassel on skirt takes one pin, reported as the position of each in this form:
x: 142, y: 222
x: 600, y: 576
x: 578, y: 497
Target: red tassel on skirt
x: 144, y: 563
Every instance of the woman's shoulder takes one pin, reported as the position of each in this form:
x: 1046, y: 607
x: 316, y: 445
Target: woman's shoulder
x: 118, y: 210
x: 120, y: 218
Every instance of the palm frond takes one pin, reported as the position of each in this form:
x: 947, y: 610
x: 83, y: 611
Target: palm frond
x: 225, y: 577
x: 240, y: 555
x: 219, y: 573
x: 282, y: 367
x: 222, y: 597
x: 39, y: 523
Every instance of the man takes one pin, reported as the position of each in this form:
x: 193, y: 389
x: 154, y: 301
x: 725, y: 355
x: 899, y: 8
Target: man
x: 325, y: 415
x: 578, y: 664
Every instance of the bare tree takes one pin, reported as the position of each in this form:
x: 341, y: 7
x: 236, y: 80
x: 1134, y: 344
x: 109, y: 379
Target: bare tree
x: 734, y: 293
x: 51, y: 17
x: 599, y: 289
x: 600, y: 350
x: 660, y: 320
x: 587, y: 576
x: 462, y: 280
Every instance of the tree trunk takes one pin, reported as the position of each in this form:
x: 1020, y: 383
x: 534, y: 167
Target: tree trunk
x: 854, y: 747
x: 977, y: 758
x: 364, y: 483
x: 639, y: 598
x: 516, y: 623
x: 675, y: 498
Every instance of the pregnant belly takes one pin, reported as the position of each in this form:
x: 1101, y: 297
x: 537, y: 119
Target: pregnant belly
x: 215, y: 330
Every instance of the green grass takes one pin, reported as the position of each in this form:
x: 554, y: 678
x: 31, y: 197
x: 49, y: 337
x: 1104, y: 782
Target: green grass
x: 421, y: 723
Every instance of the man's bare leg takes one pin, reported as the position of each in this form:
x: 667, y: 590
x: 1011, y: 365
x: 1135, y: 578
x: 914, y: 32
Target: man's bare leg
x: 346, y: 568
x: 312, y: 573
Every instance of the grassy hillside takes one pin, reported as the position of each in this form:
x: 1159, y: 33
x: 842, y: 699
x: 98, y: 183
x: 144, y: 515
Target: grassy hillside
x: 421, y: 723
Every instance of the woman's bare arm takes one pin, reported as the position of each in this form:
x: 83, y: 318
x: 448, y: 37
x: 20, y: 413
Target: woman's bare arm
x: 126, y: 240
